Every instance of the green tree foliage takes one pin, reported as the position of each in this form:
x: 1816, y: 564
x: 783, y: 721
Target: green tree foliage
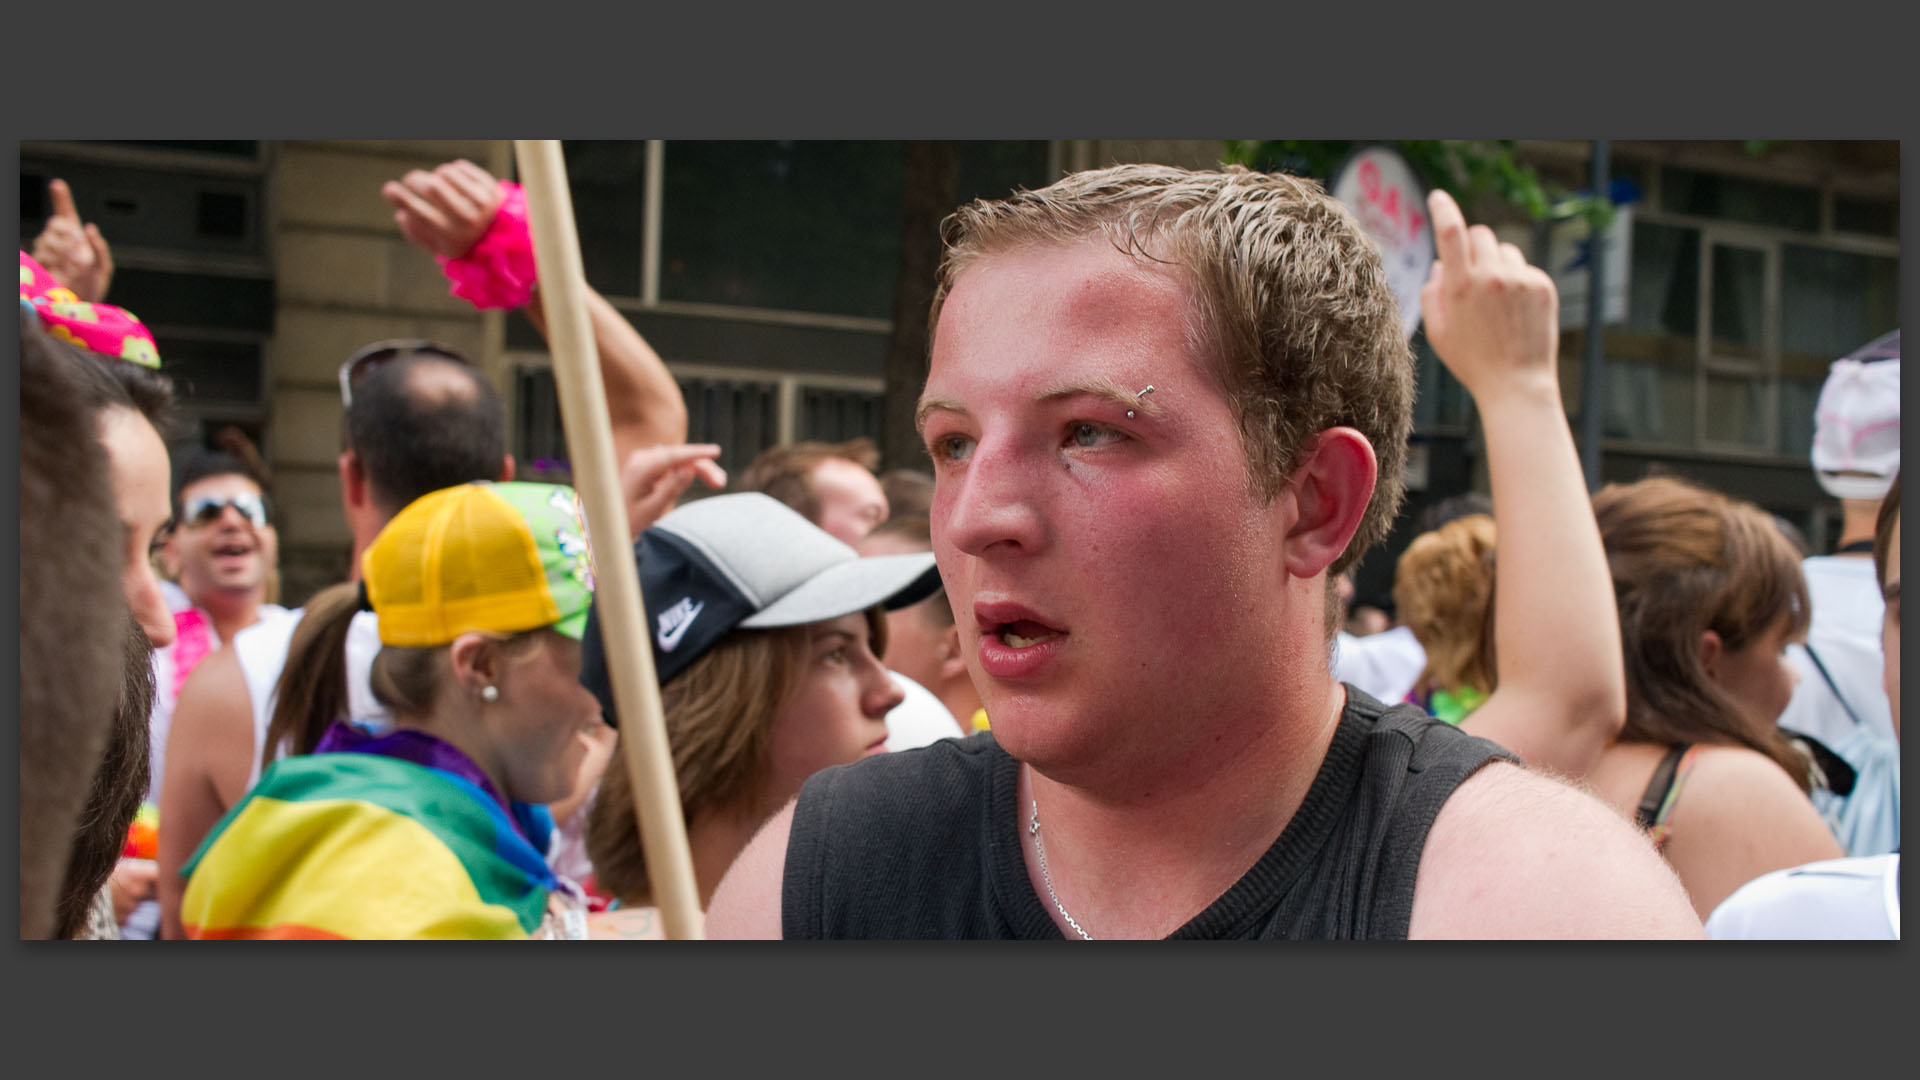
x: 1465, y: 169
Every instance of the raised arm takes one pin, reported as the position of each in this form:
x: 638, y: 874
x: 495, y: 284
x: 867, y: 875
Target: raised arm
x: 446, y: 211
x: 1494, y: 321
x: 644, y: 404
x: 74, y: 253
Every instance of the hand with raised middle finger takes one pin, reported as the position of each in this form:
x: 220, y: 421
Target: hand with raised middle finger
x: 1489, y: 315
x: 446, y: 211
x: 75, y: 254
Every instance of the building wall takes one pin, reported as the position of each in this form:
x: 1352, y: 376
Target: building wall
x: 345, y: 278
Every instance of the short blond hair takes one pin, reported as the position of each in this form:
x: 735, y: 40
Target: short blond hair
x: 1289, y: 297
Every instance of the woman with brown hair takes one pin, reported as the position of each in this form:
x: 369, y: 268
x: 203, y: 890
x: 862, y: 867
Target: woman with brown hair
x: 767, y: 638
x: 1710, y: 595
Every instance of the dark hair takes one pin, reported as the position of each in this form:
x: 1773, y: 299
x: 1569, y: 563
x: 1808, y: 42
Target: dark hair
x: 416, y: 435
x: 119, y: 784
x: 110, y: 381
x: 1686, y: 560
x: 786, y: 472
x: 206, y: 464
x: 149, y: 391
x: 73, y: 603
x: 104, y: 382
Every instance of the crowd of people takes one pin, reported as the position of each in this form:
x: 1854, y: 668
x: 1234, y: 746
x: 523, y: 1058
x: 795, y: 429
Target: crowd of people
x: 1166, y: 413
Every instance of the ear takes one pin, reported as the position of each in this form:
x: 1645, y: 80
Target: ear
x: 353, y: 481
x: 1711, y: 649
x: 476, y: 663
x: 506, y: 468
x: 1330, y: 491
x: 170, y: 553
x: 953, y: 665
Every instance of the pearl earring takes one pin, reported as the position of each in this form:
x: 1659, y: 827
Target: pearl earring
x: 489, y: 694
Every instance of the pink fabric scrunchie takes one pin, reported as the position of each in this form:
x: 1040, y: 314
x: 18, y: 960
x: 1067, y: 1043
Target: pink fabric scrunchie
x: 499, y: 271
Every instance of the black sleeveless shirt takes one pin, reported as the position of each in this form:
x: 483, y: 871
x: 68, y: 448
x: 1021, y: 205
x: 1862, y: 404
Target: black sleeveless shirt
x: 926, y: 843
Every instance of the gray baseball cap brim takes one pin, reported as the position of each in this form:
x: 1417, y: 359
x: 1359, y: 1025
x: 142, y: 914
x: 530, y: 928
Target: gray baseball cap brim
x: 847, y: 587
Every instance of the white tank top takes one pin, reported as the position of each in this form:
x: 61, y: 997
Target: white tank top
x: 262, y: 652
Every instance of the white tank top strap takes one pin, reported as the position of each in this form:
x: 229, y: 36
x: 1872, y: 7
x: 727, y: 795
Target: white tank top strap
x: 261, y: 650
x: 363, y: 641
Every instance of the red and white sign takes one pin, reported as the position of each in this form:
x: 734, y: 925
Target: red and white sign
x: 1390, y: 202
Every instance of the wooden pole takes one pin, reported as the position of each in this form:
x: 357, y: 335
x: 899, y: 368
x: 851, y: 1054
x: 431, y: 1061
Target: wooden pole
x: 596, y: 476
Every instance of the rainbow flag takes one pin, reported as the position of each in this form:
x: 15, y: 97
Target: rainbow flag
x: 359, y: 845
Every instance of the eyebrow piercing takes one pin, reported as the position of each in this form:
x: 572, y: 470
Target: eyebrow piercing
x: 1138, y: 396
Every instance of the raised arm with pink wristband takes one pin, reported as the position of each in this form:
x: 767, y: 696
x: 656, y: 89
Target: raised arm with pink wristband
x: 499, y: 271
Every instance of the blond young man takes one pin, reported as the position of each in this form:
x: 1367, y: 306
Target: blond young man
x: 1165, y: 409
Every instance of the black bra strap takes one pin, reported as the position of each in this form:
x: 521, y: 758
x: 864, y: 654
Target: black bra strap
x: 1658, y: 786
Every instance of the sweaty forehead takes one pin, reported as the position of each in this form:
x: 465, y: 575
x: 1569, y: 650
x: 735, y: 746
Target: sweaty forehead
x: 1033, y: 312
x: 1070, y: 281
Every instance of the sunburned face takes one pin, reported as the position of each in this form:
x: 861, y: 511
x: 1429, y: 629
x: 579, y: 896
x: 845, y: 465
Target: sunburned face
x: 1114, y: 576
x: 137, y: 461
x: 838, y: 713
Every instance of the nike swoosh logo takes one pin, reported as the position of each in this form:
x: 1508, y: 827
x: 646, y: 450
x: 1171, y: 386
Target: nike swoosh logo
x: 669, y: 638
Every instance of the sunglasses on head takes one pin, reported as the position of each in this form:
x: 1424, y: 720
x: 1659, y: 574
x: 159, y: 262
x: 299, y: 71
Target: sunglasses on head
x: 364, y: 362
x: 206, y: 509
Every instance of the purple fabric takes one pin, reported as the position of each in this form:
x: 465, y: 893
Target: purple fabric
x: 407, y: 744
x: 534, y: 823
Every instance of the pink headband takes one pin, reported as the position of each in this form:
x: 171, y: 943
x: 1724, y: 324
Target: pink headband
x: 100, y: 328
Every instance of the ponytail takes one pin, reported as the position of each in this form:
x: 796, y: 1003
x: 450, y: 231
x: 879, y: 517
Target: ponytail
x: 312, y: 691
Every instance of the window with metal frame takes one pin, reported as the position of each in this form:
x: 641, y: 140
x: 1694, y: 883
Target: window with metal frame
x: 1732, y: 324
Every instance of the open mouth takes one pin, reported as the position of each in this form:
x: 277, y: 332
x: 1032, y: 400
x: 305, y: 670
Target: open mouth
x: 1015, y: 641
x: 1024, y: 633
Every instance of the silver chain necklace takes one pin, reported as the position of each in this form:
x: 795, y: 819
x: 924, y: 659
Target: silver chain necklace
x: 1040, y: 849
